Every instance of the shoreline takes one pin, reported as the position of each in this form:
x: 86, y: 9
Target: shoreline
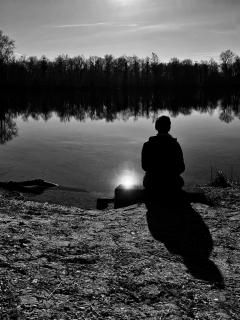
x: 86, y: 201
x: 71, y: 263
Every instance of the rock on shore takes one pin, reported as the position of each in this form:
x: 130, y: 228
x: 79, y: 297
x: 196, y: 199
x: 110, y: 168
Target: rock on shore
x: 68, y: 263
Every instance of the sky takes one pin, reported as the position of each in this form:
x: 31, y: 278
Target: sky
x: 195, y: 29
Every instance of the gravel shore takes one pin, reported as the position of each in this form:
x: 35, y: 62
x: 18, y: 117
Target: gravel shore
x: 61, y: 262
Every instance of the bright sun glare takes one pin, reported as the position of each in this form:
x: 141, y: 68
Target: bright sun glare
x: 128, y: 179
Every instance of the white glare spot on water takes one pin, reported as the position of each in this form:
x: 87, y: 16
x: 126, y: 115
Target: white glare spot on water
x: 128, y: 179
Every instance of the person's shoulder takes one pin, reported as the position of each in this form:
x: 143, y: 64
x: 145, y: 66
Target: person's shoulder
x: 161, y: 138
x: 175, y: 143
x: 149, y: 143
x: 150, y: 140
x: 171, y: 137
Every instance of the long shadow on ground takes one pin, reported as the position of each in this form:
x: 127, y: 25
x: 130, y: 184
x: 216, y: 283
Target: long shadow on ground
x: 181, y: 229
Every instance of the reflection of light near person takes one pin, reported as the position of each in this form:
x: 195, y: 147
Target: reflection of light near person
x: 128, y: 180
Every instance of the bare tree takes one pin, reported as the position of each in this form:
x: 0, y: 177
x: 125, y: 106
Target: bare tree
x: 6, y: 47
x: 227, y: 57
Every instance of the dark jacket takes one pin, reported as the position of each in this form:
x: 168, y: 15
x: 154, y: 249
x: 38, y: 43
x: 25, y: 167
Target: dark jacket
x: 162, y: 160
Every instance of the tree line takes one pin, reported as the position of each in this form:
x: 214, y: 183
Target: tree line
x: 108, y: 72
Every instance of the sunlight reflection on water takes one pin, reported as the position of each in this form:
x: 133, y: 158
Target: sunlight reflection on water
x: 128, y: 179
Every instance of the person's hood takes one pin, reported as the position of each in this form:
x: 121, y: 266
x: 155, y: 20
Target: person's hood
x: 160, y: 137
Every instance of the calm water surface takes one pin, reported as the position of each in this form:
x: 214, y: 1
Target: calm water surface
x: 95, y: 154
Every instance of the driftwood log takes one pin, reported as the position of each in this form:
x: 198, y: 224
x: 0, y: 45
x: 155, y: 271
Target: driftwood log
x: 124, y: 197
x: 36, y: 186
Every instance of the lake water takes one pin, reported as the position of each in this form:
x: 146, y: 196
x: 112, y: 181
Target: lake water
x: 92, y: 146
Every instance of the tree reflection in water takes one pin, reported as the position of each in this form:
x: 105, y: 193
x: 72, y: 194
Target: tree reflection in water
x: 110, y: 106
x: 8, y: 128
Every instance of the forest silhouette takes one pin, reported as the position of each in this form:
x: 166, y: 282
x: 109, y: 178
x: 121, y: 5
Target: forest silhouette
x: 108, y: 72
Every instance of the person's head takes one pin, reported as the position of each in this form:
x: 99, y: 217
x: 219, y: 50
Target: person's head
x: 163, y: 124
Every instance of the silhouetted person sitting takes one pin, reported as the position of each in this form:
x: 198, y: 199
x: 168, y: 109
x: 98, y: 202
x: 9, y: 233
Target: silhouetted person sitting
x: 162, y: 160
x: 170, y: 217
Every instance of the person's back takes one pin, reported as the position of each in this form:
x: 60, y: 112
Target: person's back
x: 162, y: 159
